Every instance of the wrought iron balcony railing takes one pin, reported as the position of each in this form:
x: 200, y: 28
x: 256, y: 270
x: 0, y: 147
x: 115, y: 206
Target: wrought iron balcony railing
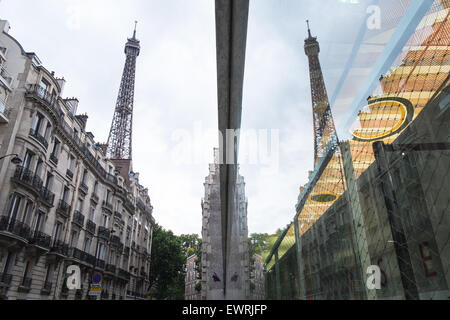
x: 118, y: 214
x: 78, y: 218
x: 54, y: 158
x: 5, y: 112
x: 91, y: 226
x: 64, y: 208
x: 69, y: 174
x: 60, y: 247
x: 26, y: 176
x: 104, y: 233
x: 15, y: 227
x: 100, y: 264
x: 124, y: 274
x: 43, y: 94
x: 47, y: 196
x: 41, y: 239
x: 107, y: 205
x: 84, y: 188
x: 76, y: 254
x: 90, y: 259
x: 94, y: 197
x: 110, y: 268
x: 36, y: 135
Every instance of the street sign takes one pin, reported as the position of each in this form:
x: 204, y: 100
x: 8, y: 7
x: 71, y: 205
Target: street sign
x: 97, y: 278
x: 95, y: 290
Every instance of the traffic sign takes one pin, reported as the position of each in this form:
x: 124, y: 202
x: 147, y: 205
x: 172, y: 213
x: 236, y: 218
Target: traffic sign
x: 97, y: 278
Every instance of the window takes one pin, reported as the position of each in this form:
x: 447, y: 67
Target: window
x: 66, y: 193
x: 49, y: 273
x: 71, y: 163
x: 44, y: 85
x: 105, y: 219
x: 108, y: 196
x: 37, y: 123
x: 74, y: 239
x: 8, y: 262
x: 49, y: 181
x: 100, y: 251
x: 39, y: 166
x: 95, y: 187
x: 28, y: 158
x: 56, y: 148
x: 26, y: 270
x: 92, y: 213
x: 79, y: 205
x: 48, y: 131
x: 57, y: 232
x: 14, y: 209
x: 38, y: 221
x: 26, y: 212
x: 87, y: 245
x: 85, y: 175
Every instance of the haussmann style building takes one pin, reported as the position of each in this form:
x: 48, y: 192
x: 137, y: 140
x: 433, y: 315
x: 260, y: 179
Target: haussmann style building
x: 66, y: 202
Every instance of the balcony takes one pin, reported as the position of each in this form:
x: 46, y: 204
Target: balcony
x: 25, y: 284
x: 90, y: 259
x: 76, y: 254
x: 100, y: 264
x: 54, y: 158
x: 60, y: 248
x: 63, y: 208
x: 69, y: 174
x: 41, y: 93
x: 46, y: 288
x: 14, y: 227
x: 108, y: 206
x: 41, y: 239
x: 5, y: 77
x: 34, y: 134
x: 124, y: 274
x: 91, y: 226
x: 118, y: 215
x: 5, y: 112
x: 78, y: 219
x: 28, y: 178
x: 47, y: 196
x: 94, y: 198
x: 103, y: 233
x: 115, y: 240
x: 5, y: 279
x: 84, y: 188
x: 110, y: 268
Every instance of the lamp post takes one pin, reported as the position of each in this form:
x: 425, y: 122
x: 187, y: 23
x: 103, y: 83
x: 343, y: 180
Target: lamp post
x: 16, y: 160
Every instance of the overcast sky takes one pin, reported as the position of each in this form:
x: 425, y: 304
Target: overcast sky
x: 176, y: 93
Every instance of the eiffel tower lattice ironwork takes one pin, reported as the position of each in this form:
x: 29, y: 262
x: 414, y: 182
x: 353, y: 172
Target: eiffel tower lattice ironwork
x: 120, y: 136
x: 324, y: 129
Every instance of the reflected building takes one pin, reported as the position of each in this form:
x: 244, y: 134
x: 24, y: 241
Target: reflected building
x: 393, y: 211
x: 212, y: 269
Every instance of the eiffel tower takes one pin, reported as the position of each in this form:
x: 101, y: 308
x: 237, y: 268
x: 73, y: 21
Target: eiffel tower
x: 120, y: 135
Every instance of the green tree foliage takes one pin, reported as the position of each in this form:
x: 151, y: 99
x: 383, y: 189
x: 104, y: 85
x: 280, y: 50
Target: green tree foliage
x: 167, y: 266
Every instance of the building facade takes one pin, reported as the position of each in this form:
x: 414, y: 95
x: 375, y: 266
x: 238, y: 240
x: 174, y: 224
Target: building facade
x: 192, y: 279
x: 212, y: 266
x: 66, y: 203
x: 393, y: 213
